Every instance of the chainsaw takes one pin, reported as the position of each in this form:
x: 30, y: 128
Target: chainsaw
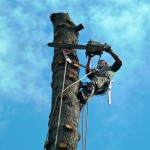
x: 92, y: 48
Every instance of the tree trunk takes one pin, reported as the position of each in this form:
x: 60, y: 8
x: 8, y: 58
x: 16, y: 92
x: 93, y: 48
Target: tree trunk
x: 65, y: 31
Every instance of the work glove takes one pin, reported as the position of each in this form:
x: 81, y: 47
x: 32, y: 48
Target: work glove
x: 93, y: 71
x: 107, y: 48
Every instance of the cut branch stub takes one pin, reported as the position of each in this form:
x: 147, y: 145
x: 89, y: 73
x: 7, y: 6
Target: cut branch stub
x: 68, y: 127
x: 79, y: 28
x: 63, y: 145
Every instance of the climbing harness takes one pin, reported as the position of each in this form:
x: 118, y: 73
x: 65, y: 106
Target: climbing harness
x: 107, y: 86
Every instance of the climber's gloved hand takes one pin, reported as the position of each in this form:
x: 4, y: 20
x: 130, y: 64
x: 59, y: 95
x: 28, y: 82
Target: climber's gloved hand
x: 107, y: 48
x: 93, y: 71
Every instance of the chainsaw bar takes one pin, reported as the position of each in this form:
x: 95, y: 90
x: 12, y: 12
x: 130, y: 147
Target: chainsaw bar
x: 68, y: 46
x: 92, y: 48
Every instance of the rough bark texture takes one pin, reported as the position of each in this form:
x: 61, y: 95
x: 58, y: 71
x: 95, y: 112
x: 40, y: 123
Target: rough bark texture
x: 64, y: 31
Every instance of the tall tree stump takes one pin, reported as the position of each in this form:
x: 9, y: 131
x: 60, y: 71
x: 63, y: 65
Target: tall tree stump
x: 65, y: 31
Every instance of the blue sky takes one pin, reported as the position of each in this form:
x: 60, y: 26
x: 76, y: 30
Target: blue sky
x: 25, y: 66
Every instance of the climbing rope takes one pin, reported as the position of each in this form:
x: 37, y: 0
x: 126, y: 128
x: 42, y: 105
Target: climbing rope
x: 60, y: 105
x: 77, y: 81
x: 84, y: 137
x: 86, y: 132
x: 83, y: 144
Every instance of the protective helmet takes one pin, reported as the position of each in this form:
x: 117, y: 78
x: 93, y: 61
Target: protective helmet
x: 102, y: 63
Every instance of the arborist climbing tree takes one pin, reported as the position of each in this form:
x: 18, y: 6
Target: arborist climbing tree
x: 101, y: 77
x: 69, y: 94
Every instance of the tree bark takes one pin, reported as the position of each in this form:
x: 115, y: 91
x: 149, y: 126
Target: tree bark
x: 65, y: 31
